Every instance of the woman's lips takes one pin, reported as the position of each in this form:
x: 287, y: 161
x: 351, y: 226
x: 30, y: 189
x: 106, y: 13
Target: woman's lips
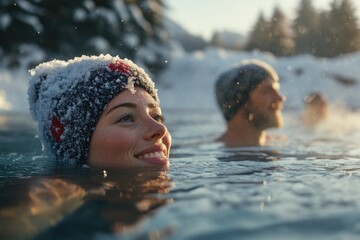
x: 155, y: 155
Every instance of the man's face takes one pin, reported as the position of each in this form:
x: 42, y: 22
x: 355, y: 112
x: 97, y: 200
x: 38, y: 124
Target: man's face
x: 265, y: 104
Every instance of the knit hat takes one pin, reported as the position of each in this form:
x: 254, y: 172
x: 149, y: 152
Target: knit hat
x: 67, y: 98
x: 233, y: 87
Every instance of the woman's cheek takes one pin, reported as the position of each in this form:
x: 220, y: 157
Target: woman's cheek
x: 120, y: 138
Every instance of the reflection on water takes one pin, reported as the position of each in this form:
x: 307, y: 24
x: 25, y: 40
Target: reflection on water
x: 94, y: 202
x: 33, y: 204
x: 259, y: 155
x: 304, y: 186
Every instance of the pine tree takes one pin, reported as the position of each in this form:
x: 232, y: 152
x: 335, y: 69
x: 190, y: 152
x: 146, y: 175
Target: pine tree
x: 324, y: 36
x: 349, y: 33
x: 339, y: 31
x: 258, y: 38
x: 281, y: 42
x: 305, y: 28
x: 216, y: 40
x: 335, y: 25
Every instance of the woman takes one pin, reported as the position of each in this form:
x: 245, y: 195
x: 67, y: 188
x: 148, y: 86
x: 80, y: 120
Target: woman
x: 100, y: 110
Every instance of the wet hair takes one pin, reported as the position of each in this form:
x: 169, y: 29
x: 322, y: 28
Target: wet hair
x: 313, y: 97
x: 233, y: 87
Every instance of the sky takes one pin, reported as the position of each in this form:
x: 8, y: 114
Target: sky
x: 203, y: 17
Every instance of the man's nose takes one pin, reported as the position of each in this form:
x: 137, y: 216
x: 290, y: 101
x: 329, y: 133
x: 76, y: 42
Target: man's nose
x: 280, y: 97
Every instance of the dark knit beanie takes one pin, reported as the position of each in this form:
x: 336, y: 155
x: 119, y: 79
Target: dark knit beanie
x: 233, y: 87
x: 67, y: 98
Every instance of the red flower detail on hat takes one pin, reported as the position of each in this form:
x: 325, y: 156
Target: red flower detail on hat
x: 119, y: 66
x: 57, y: 128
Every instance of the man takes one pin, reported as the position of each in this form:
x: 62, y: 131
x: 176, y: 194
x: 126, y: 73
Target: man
x: 316, y: 109
x: 249, y: 98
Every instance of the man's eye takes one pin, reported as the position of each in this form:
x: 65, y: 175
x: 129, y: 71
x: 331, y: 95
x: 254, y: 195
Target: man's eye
x: 126, y: 119
x: 159, y: 118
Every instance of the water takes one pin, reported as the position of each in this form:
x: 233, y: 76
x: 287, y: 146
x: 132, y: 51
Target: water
x: 304, y: 186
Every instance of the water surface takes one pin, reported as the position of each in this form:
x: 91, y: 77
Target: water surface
x: 304, y: 186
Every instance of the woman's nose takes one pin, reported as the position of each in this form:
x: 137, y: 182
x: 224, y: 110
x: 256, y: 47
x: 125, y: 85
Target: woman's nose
x: 155, y: 130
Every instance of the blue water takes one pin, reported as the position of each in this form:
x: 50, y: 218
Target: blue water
x: 304, y: 186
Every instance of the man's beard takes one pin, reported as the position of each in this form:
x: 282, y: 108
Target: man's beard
x: 265, y: 118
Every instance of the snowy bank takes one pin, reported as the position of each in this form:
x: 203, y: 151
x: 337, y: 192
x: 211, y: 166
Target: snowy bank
x: 190, y: 78
x: 188, y: 82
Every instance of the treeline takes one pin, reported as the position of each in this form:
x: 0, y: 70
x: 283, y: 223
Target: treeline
x: 68, y: 28
x: 320, y: 33
x: 135, y: 29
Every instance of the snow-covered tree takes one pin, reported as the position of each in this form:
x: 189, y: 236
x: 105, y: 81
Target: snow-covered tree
x: 129, y: 28
x: 17, y: 24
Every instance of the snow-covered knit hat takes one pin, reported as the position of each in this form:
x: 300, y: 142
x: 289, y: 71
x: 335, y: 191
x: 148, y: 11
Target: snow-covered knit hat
x: 66, y: 98
x: 233, y: 87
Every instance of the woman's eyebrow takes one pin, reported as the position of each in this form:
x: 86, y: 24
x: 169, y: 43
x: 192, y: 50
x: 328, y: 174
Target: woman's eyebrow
x: 129, y: 105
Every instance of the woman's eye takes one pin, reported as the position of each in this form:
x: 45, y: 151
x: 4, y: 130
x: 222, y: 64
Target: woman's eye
x: 126, y: 119
x: 159, y: 118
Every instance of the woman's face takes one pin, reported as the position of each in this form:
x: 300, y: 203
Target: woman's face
x: 130, y: 133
